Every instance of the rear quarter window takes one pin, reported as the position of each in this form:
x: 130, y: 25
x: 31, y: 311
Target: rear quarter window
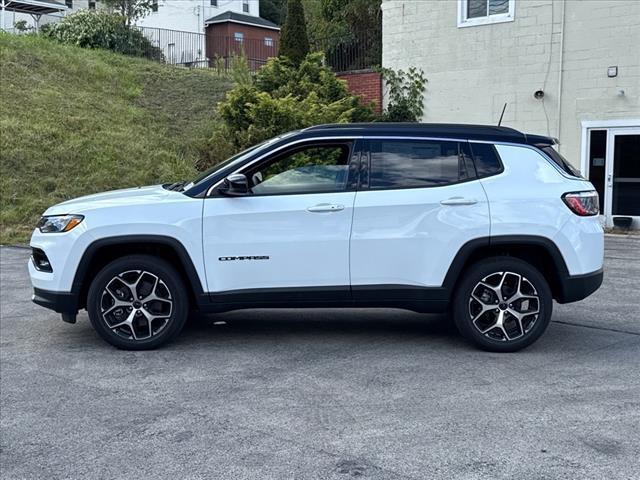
x: 559, y: 160
x: 486, y: 159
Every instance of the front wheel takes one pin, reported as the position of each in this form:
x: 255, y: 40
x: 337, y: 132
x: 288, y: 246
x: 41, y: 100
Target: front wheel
x: 502, y: 304
x: 137, y: 302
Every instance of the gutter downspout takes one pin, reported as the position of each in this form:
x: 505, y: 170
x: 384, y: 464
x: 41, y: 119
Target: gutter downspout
x: 560, y: 63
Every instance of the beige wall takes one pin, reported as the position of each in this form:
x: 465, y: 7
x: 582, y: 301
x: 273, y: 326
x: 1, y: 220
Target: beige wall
x: 473, y: 71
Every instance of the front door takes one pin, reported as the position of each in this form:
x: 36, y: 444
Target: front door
x: 622, y: 188
x: 291, y: 233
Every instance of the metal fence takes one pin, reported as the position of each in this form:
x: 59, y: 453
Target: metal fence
x: 360, y: 51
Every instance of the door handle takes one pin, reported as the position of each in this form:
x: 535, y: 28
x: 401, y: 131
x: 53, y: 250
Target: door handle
x: 455, y: 201
x: 325, y: 207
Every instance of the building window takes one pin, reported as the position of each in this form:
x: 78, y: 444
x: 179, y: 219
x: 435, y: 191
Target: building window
x: 239, y: 37
x: 268, y: 41
x: 245, y: 6
x: 482, y: 12
x: 214, y: 3
x: 92, y: 5
x: 69, y: 3
x: 154, y: 6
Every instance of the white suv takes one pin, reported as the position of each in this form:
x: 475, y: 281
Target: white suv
x: 487, y: 221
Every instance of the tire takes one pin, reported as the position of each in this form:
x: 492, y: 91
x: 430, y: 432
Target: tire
x: 492, y: 323
x: 122, y: 320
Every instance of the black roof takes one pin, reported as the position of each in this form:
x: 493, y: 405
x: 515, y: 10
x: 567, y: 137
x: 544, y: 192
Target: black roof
x: 230, y: 16
x: 441, y: 130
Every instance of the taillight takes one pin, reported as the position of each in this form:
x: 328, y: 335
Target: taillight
x: 584, y: 204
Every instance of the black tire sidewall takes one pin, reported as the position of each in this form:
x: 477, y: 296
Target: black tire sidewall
x: 480, y: 270
x: 154, y: 265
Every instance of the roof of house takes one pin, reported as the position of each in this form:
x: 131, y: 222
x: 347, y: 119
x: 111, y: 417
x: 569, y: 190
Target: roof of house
x: 440, y: 130
x: 35, y: 7
x: 234, y: 17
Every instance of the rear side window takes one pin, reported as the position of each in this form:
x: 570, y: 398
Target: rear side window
x: 416, y: 164
x: 554, y: 155
x: 486, y: 159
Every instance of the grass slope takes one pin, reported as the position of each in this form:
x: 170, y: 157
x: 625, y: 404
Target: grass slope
x: 76, y: 121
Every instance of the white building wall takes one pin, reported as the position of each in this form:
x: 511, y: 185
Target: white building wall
x: 472, y: 71
x: 185, y: 15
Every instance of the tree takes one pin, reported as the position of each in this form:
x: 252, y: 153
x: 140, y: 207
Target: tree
x: 273, y: 10
x: 294, y: 43
x: 131, y: 10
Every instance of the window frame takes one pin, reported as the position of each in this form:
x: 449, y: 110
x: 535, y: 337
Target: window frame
x: 213, y: 3
x: 352, y: 165
x: 464, y: 21
x: 268, y: 41
x: 245, y: 6
x: 238, y: 37
x: 365, y: 169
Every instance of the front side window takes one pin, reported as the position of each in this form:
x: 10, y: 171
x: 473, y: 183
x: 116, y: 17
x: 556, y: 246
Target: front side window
x: 312, y: 169
x: 480, y: 12
x: 417, y: 164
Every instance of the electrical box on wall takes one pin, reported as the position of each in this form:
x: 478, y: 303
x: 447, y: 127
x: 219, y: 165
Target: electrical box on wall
x: 612, y: 72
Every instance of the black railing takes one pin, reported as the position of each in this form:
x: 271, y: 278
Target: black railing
x: 360, y: 51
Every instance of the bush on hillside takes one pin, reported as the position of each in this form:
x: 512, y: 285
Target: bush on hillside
x: 100, y: 29
x: 280, y: 98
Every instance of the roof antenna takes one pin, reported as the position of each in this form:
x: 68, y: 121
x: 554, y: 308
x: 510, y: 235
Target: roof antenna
x: 502, y: 114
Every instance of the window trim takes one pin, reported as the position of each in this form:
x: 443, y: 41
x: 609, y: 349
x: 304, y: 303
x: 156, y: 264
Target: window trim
x: 463, y: 21
x: 354, y: 158
x: 238, y: 37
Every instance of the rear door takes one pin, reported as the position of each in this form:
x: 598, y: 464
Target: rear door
x: 419, y: 202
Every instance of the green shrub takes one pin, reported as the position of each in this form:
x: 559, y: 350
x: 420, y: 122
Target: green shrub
x: 100, y: 29
x: 405, y: 95
x: 281, y: 98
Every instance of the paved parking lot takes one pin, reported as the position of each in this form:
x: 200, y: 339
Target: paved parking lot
x: 328, y: 394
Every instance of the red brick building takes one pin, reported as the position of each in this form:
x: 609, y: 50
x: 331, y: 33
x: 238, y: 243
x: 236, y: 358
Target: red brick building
x: 230, y: 34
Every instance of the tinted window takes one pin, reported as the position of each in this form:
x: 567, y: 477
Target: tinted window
x: 486, y: 159
x: 310, y: 169
x: 554, y: 155
x: 416, y: 163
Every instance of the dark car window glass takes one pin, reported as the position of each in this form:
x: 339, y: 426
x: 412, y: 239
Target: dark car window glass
x: 416, y: 163
x: 486, y: 159
x: 311, y: 169
x: 554, y: 155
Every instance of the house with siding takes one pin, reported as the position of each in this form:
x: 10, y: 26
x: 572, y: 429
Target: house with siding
x: 569, y: 69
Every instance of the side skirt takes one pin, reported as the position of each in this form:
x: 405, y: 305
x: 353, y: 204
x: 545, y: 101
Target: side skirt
x: 407, y: 297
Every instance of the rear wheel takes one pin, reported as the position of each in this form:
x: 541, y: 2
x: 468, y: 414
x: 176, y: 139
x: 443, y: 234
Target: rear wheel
x: 502, y: 304
x: 137, y: 302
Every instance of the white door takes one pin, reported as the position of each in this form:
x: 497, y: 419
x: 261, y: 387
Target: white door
x: 622, y: 187
x: 292, y: 229
x: 421, y: 206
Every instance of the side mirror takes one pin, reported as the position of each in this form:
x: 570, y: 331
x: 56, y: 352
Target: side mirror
x: 235, y: 185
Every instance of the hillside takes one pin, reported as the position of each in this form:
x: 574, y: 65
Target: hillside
x: 76, y: 121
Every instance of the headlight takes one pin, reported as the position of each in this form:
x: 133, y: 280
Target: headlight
x: 58, y: 223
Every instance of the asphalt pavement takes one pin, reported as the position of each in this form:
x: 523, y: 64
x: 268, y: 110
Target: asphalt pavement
x: 324, y: 394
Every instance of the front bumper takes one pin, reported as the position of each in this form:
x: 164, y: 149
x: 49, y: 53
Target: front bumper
x: 577, y: 287
x: 61, y: 302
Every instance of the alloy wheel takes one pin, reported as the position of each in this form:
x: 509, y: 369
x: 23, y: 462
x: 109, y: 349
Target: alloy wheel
x: 136, y: 305
x: 504, y: 306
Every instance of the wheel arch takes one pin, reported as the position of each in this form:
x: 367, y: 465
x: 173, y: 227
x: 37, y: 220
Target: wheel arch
x: 541, y: 252
x: 101, y: 252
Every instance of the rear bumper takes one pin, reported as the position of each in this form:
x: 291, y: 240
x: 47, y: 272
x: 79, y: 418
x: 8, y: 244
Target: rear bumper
x: 61, y: 302
x: 577, y: 287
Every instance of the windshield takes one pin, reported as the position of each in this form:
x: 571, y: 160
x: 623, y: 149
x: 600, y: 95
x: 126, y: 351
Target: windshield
x: 237, y: 158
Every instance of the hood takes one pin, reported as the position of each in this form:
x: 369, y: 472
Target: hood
x: 115, y: 198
